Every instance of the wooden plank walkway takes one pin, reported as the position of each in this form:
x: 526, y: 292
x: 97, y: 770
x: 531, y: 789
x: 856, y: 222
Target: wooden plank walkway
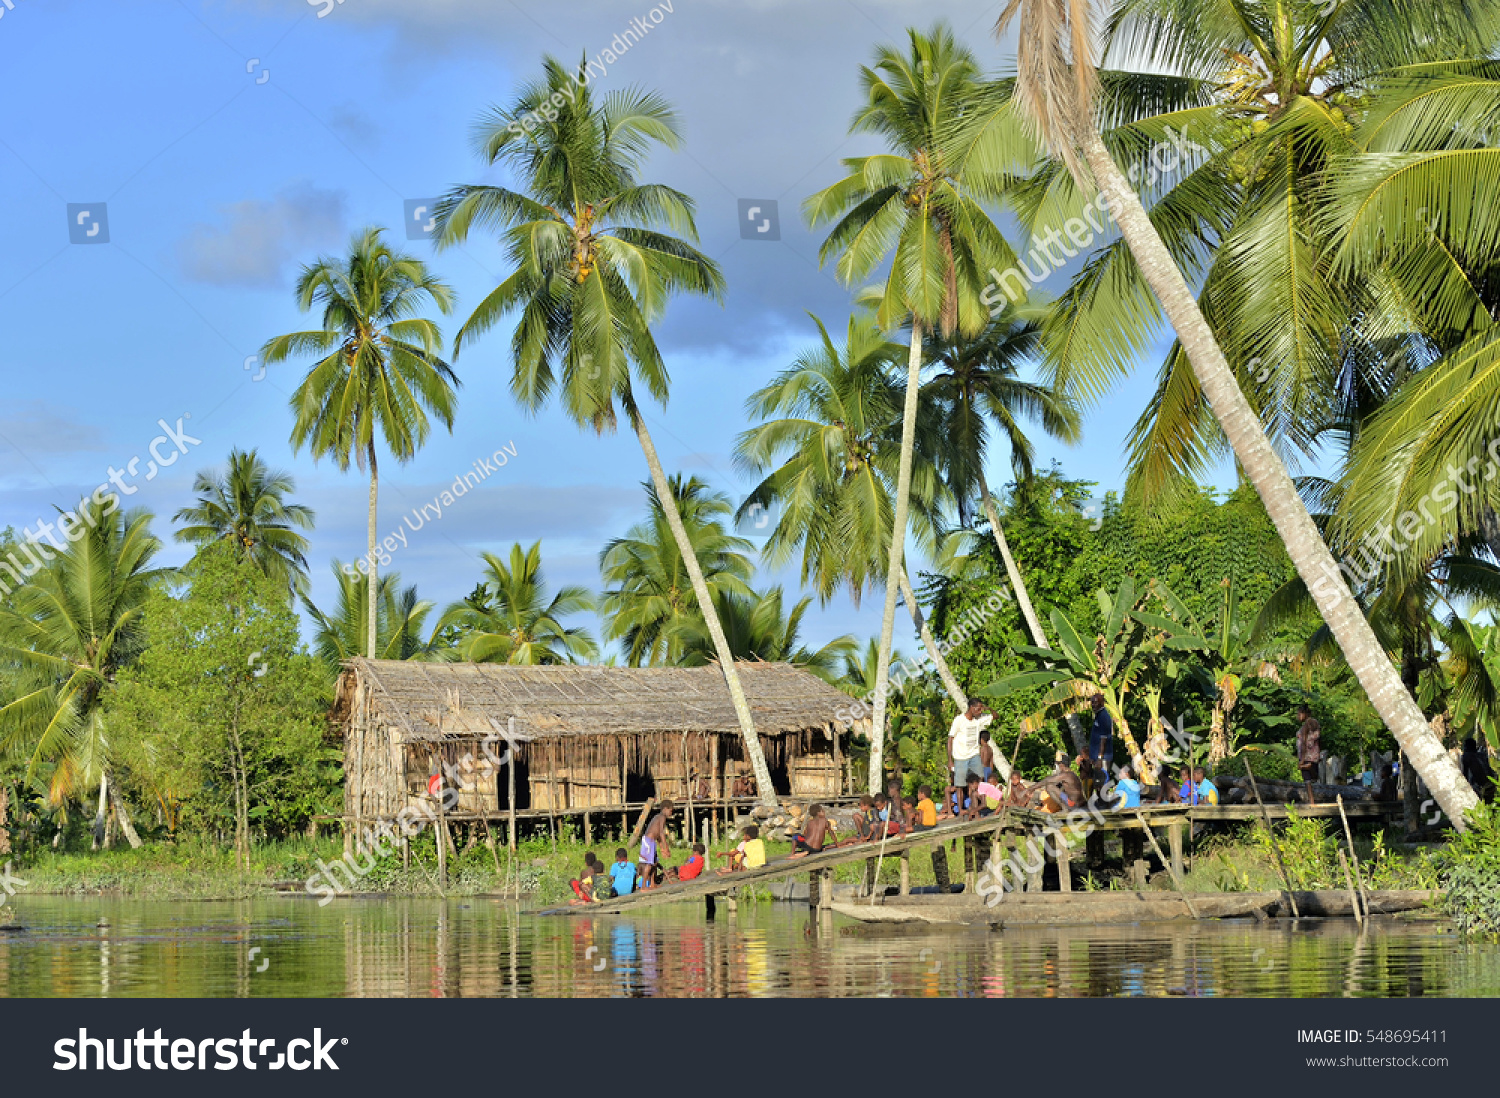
x: 1014, y: 822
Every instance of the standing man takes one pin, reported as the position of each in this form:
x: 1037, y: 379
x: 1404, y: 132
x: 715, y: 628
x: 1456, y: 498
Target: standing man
x: 1309, y: 748
x: 1101, y: 741
x: 654, y: 845
x: 963, y: 742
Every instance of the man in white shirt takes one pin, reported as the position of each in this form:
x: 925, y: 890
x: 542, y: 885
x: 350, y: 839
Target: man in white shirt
x: 963, y: 742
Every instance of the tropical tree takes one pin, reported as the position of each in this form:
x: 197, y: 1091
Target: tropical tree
x: 1222, y: 655
x: 594, y: 267
x: 379, y: 371
x: 760, y: 628
x: 1132, y: 644
x: 510, y: 618
x: 1056, y: 88
x: 246, y: 507
x: 921, y: 206
x: 650, y: 605
x: 341, y: 635
x: 64, y: 637
x: 977, y: 383
x: 829, y: 461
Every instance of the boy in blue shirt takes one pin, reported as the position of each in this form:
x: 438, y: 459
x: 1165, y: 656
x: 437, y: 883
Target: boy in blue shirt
x: 1127, y: 789
x: 622, y: 873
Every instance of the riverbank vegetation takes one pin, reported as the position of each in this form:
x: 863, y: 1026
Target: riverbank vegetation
x: 180, y: 711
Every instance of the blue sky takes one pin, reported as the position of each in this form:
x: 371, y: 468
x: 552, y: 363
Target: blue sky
x: 230, y: 141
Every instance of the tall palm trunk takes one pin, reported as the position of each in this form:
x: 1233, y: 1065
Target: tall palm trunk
x: 1309, y: 554
x: 370, y: 594
x: 1023, y: 600
x: 898, y: 546
x: 710, y: 614
x: 950, y: 683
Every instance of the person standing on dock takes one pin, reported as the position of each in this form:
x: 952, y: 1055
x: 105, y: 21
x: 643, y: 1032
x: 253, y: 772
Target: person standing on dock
x: 1309, y: 749
x: 654, y: 844
x: 963, y: 742
x: 1101, y: 741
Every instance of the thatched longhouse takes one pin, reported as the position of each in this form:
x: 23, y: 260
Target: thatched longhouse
x: 595, y: 739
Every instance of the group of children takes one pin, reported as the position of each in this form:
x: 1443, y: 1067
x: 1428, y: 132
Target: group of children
x: 598, y: 883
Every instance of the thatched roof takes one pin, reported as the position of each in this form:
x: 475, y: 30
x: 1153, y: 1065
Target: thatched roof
x: 453, y: 700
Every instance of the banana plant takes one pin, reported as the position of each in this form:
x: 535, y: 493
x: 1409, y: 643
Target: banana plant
x: 1221, y: 659
x: 1128, y: 654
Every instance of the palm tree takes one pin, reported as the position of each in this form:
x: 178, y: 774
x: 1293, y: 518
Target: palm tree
x: 380, y: 368
x: 1268, y: 108
x: 511, y: 619
x: 650, y: 606
x: 920, y: 205
x: 1056, y: 87
x: 341, y: 635
x: 63, y: 638
x: 760, y: 628
x: 829, y: 462
x: 246, y: 507
x: 594, y: 271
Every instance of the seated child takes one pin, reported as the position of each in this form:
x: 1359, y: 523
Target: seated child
x: 866, y: 822
x: 816, y: 831
x: 992, y: 796
x: 1127, y: 789
x: 622, y: 873
x: 583, y: 884
x: 691, y: 868
x: 601, y: 885
x: 750, y: 854
x: 925, y: 811
x: 885, y: 827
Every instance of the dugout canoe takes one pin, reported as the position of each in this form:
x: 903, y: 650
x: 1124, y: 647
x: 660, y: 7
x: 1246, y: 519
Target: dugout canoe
x: 1119, y: 908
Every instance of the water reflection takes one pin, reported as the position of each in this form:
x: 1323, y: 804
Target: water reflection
x: 478, y: 948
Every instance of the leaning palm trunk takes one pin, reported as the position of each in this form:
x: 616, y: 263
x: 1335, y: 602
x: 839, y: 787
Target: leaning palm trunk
x: 898, y: 546
x: 751, y: 739
x: 370, y: 559
x: 956, y: 692
x: 102, y: 812
x: 126, y: 827
x: 1309, y: 554
x: 1023, y: 600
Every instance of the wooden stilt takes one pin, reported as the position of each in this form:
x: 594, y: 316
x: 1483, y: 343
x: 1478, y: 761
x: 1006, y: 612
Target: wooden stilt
x: 1036, y: 859
x: 825, y: 890
x: 906, y: 873
x: 1064, y: 858
x: 971, y: 856
x: 1174, y: 847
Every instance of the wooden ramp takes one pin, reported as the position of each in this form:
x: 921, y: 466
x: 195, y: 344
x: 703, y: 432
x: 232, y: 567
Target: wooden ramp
x: 1010, y: 822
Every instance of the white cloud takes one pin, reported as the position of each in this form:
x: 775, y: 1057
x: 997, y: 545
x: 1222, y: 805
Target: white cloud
x: 255, y: 240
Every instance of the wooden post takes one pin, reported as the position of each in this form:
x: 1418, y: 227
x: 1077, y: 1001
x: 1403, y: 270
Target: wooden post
x: 1359, y: 879
x: 906, y: 872
x: 838, y: 769
x: 940, y: 868
x: 1037, y: 858
x: 708, y: 907
x: 1176, y: 880
x: 510, y: 757
x: 588, y: 828
x: 1286, y: 878
x: 825, y: 890
x: 815, y: 889
x: 971, y: 856
x: 1349, y: 883
x: 489, y: 841
x: 1174, y: 845
x: 442, y: 845
x: 1064, y: 859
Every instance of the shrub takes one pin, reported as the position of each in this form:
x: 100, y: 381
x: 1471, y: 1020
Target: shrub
x: 1471, y: 874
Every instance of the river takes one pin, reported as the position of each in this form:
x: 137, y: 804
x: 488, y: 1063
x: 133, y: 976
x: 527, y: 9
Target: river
x: 475, y: 947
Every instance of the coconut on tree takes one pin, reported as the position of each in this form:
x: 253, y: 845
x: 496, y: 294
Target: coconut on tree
x: 594, y: 263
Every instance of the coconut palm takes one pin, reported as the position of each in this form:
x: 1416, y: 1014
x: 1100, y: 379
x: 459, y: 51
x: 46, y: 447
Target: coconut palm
x: 1056, y: 87
x: 246, y: 507
x: 760, y: 628
x: 1238, y: 130
x: 650, y: 605
x: 920, y: 205
x: 829, y: 461
x: 379, y: 372
x: 63, y: 638
x: 594, y: 267
x: 341, y: 634
x: 510, y: 618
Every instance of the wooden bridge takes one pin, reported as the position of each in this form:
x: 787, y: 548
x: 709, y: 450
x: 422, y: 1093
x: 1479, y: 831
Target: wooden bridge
x: 1005, y: 829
